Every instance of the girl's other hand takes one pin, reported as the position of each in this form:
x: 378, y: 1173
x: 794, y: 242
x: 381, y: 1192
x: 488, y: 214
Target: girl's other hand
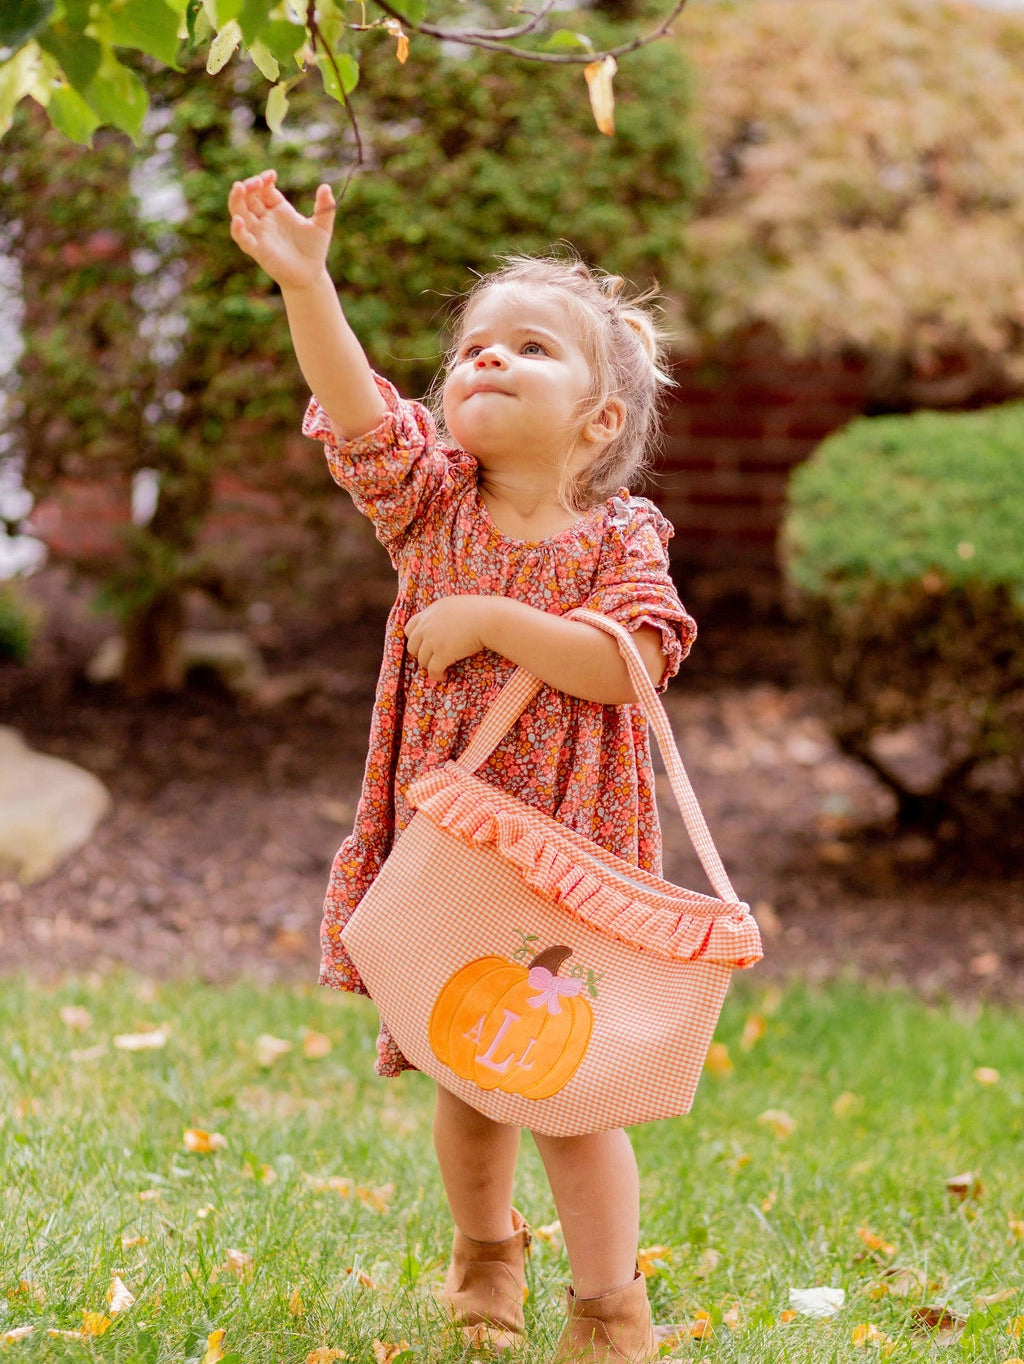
x: 445, y: 632
x: 292, y: 249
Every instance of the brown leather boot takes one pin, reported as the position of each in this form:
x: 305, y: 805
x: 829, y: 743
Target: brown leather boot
x: 485, y: 1286
x: 610, y: 1329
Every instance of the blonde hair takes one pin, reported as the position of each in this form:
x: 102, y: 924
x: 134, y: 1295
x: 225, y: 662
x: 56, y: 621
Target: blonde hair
x: 626, y: 354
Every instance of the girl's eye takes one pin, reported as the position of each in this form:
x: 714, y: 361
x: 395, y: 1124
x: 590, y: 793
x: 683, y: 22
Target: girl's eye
x: 534, y: 348
x: 471, y: 352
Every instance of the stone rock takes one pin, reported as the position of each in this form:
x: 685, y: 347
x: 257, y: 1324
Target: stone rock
x: 228, y: 653
x: 49, y: 808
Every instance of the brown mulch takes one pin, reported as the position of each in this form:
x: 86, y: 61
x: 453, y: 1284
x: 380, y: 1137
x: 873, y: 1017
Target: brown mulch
x: 226, y: 815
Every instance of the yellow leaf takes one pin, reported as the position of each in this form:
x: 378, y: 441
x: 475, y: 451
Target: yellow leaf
x: 753, y: 1031
x: 95, y: 1323
x: 119, y: 1298
x: 779, y: 1121
x: 653, y: 1260
x: 295, y: 1306
x: 315, y: 1045
x: 868, y: 1334
x: 396, y: 30
x: 214, y: 1341
x: 15, y: 1333
x: 130, y: 1242
x: 875, y: 1242
x: 202, y: 1143
x: 550, y: 1235
x: 787, y: 1315
x: 702, y: 1327
x: 718, y: 1061
x: 325, y: 1355
x: 731, y: 1318
x: 599, y: 76
x: 1015, y: 1327
x: 1016, y: 1229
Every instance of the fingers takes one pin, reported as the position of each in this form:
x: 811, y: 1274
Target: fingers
x: 324, y: 208
x: 255, y: 195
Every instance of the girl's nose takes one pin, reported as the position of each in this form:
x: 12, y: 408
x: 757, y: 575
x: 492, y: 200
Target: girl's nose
x: 488, y: 359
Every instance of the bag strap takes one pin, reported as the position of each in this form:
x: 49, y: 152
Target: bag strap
x: 522, y: 687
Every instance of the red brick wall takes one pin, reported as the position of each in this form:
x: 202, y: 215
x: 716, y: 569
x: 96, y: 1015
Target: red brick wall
x: 734, y: 429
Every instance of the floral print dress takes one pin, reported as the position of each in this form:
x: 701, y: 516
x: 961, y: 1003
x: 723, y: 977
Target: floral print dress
x: 585, y: 764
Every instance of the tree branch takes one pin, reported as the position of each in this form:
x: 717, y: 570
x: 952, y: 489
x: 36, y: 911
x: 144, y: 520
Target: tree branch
x: 494, y: 40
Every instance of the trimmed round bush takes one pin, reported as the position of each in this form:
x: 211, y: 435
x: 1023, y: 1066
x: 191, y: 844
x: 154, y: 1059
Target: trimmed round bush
x: 903, y: 550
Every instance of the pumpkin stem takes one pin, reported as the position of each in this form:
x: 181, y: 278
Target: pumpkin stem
x: 551, y: 958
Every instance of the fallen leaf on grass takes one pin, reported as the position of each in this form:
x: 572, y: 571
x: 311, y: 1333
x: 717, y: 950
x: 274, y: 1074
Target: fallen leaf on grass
x: 315, y: 1045
x: 269, y: 1049
x: 779, y: 1121
x: 1015, y: 1327
x: 80, y: 1056
x: 238, y: 1263
x: 965, y: 1188
x: 787, y: 1316
x: 939, y: 1319
x: 903, y: 1281
x: 987, y: 1075
x: 201, y: 1142
x: 150, y: 1196
x: 360, y: 1277
x: 731, y: 1318
x: 151, y: 1040
x: 75, y: 1017
x: 385, y: 1352
x: 718, y: 1061
x: 846, y: 1103
x: 653, y: 1260
x: 130, y: 1242
x: 325, y: 1355
x: 214, y: 1342
x: 1016, y: 1229
x: 753, y: 1030
x: 983, y: 1300
x: 875, y: 1242
x: 93, y: 1324
x: 817, y: 1302
x: 119, y: 1297
x: 15, y: 1333
x: 372, y: 1196
x: 550, y: 1235
x: 869, y: 1334
x: 295, y: 1307
x: 702, y: 1327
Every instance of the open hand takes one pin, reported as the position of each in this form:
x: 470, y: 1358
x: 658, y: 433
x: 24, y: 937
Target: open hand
x: 292, y: 249
x: 445, y: 632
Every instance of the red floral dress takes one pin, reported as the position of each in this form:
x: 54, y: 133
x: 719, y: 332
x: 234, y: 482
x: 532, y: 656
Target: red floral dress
x: 586, y: 764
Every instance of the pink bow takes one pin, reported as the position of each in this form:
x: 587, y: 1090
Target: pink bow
x: 549, y: 987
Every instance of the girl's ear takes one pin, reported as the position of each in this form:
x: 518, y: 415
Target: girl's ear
x: 606, y: 423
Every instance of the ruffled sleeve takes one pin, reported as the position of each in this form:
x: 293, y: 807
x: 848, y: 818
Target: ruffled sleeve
x: 391, y: 472
x: 634, y: 585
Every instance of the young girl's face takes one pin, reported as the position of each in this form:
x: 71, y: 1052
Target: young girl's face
x: 520, y: 386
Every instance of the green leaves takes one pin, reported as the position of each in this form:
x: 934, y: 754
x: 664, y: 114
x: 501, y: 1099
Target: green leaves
x: 149, y: 26
x: 20, y: 20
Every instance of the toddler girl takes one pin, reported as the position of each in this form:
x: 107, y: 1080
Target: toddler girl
x: 517, y: 515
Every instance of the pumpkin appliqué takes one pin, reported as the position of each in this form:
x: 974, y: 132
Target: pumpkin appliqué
x: 523, y: 1029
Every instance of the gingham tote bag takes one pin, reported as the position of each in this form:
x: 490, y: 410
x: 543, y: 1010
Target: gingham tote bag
x: 545, y: 981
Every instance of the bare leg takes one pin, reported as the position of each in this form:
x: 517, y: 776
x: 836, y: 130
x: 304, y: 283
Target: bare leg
x: 477, y: 1159
x: 597, y: 1193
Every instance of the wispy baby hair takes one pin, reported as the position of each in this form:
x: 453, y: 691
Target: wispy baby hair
x: 626, y: 354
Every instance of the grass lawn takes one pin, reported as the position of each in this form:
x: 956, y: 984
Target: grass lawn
x: 817, y: 1155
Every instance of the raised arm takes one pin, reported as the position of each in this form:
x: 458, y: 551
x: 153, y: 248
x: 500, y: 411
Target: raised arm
x: 293, y: 251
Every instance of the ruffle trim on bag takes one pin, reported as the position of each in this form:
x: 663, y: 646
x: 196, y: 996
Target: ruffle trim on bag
x: 599, y: 889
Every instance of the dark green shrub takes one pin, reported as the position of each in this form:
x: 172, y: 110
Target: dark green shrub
x: 903, y: 548
x: 17, y: 624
